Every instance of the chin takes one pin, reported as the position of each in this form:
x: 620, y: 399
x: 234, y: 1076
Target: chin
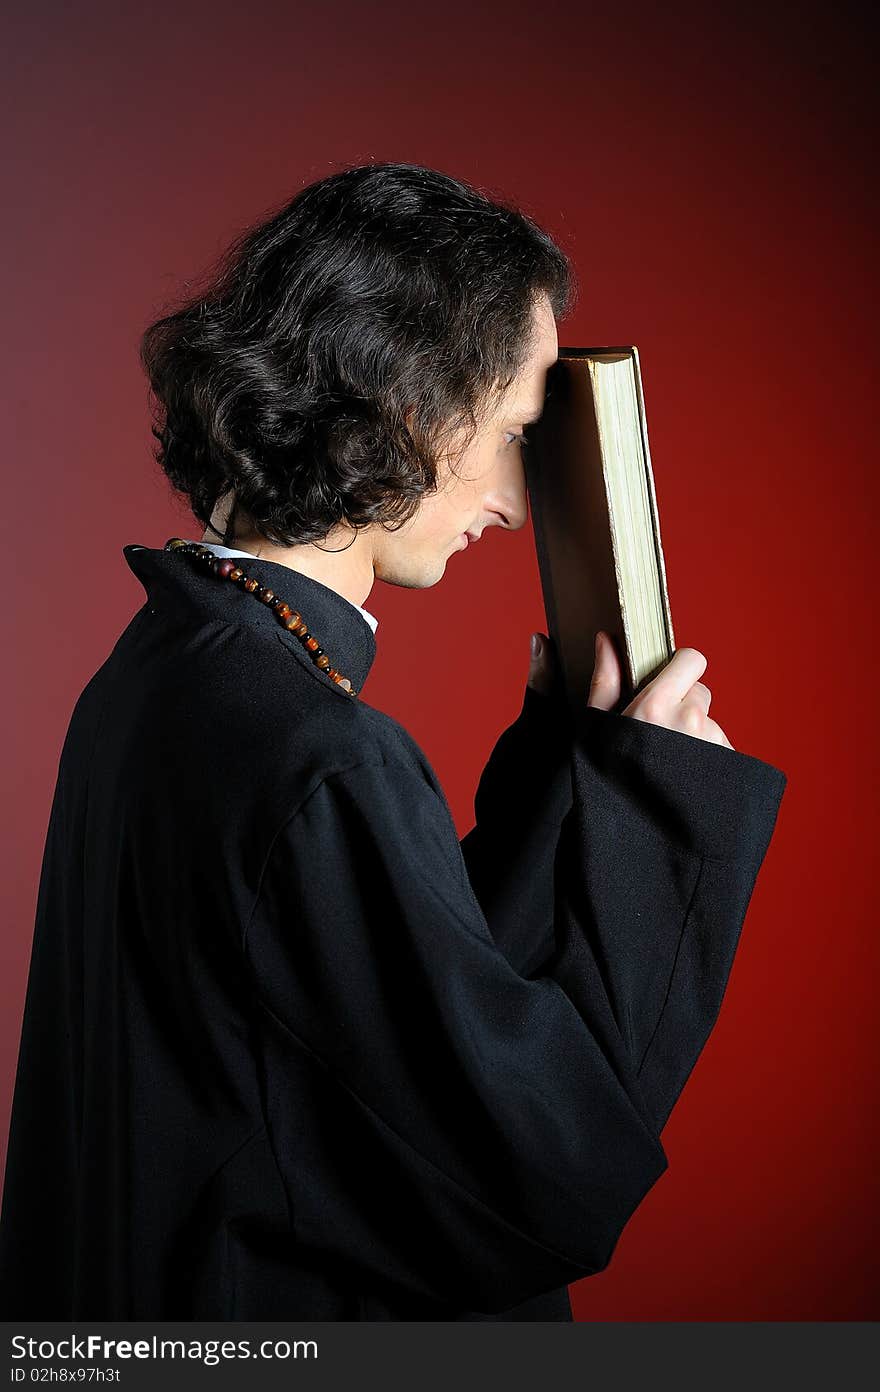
x: 414, y: 576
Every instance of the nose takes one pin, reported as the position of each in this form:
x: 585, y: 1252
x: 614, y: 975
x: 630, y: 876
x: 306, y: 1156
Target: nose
x: 507, y: 502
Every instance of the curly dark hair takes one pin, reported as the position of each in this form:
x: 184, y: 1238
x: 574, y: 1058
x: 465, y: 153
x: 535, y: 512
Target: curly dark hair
x: 339, y: 341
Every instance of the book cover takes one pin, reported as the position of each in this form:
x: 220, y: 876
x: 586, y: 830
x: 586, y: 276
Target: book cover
x: 596, y: 521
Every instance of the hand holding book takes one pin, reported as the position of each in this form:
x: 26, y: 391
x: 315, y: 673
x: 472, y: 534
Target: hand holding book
x: 675, y: 698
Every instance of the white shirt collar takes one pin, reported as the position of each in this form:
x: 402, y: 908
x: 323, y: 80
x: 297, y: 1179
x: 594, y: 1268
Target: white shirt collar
x: 227, y: 551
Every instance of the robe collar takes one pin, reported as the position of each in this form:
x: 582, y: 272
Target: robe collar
x: 178, y: 584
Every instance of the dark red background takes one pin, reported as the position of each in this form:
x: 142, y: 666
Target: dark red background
x: 708, y: 173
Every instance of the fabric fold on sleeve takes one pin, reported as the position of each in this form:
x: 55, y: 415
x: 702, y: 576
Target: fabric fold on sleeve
x: 522, y: 798
x: 655, y: 868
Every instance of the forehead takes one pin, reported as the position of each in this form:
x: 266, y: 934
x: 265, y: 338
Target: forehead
x: 524, y: 399
x: 543, y: 349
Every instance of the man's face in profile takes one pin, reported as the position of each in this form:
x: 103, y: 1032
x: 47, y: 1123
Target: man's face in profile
x: 483, y: 487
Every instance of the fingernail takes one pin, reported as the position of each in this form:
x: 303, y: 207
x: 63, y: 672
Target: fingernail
x: 536, y: 645
x: 598, y: 642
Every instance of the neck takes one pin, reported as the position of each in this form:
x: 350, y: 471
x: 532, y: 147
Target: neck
x: 343, y: 560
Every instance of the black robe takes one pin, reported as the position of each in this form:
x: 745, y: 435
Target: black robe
x: 290, y: 1049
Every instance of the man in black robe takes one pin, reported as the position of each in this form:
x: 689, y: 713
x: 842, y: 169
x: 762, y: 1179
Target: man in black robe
x: 290, y: 1049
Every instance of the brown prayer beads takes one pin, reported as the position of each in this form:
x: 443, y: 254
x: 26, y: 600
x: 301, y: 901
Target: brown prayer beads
x: 228, y: 569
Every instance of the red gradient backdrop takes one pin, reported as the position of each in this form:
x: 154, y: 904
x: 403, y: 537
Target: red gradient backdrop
x: 707, y: 171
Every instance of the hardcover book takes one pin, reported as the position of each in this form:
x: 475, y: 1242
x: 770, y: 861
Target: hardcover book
x: 595, y: 520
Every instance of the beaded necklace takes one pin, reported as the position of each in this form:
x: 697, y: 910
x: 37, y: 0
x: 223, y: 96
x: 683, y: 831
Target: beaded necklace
x: 227, y: 569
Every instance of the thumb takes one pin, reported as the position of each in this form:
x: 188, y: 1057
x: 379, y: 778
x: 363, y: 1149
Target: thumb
x: 605, y: 686
x: 541, y: 664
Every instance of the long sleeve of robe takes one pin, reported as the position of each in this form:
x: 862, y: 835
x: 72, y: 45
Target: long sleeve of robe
x: 290, y: 1048
x: 509, y: 1123
x: 626, y: 854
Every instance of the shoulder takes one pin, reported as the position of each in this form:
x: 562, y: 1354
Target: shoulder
x: 237, y: 724
x: 338, y: 740
x: 381, y: 807
x: 296, y: 728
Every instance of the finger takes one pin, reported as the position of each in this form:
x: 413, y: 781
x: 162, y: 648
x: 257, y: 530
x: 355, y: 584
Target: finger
x: 714, y: 732
x: 722, y: 738
x: 605, y: 685
x: 541, y: 671
x: 685, y: 667
x: 701, y: 696
x: 538, y: 664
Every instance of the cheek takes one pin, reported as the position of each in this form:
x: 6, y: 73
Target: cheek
x: 431, y: 525
x: 453, y: 508
x: 445, y: 512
